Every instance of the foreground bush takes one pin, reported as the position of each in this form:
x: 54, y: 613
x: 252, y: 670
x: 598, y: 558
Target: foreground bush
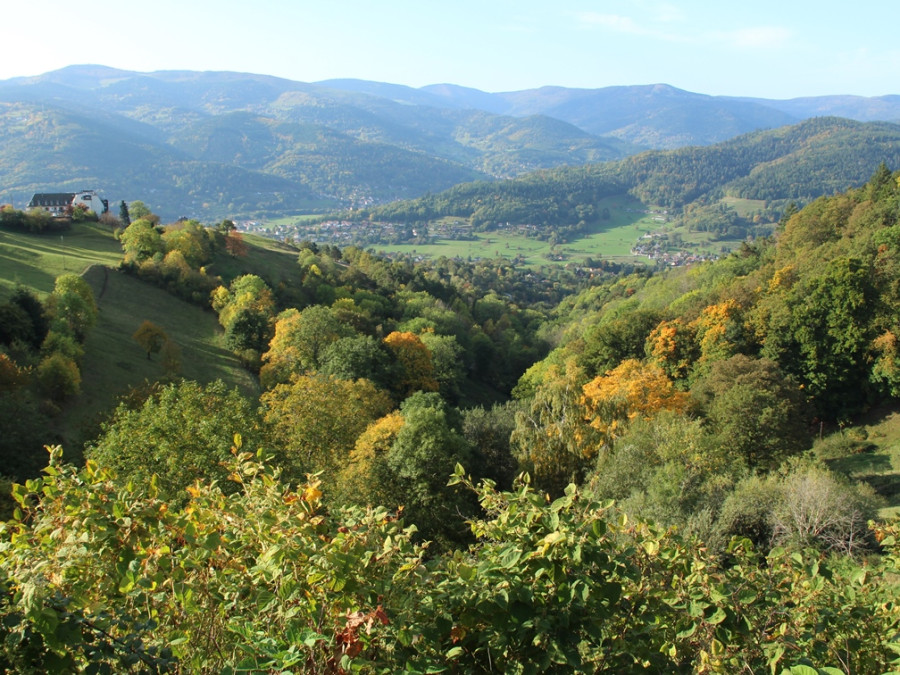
x: 100, y: 577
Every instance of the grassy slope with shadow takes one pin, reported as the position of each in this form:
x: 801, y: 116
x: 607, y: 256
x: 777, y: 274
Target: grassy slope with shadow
x: 35, y: 260
x: 113, y: 361
x: 869, y: 452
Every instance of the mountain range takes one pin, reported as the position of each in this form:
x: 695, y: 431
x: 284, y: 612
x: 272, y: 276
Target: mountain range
x: 225, y: 144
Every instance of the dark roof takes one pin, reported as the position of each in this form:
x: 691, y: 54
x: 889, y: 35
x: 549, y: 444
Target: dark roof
x: 51, y: 198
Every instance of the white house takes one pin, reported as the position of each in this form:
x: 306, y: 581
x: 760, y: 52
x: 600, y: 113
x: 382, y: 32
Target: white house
x: 58, y: 203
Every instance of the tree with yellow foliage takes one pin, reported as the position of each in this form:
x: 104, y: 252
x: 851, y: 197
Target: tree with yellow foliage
x: 551, y: 440
x: 720, y: 332
x: 245, y: 292
x: 315, y: 420
x: 415, y: 368
x: 150, y: 337
x: 359, y: 479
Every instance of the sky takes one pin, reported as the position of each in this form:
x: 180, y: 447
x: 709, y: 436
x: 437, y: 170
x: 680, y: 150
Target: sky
x: 765, y: 48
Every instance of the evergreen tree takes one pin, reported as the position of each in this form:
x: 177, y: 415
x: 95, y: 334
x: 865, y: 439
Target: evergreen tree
x: 124, y: 216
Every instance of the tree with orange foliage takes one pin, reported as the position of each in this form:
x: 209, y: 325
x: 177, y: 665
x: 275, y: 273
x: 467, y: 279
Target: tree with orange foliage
x: 629, y: 390
x: 671, y: 346
x: 234, y: 244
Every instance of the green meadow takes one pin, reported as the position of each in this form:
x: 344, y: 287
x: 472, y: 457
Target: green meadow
x: 869, y: 453
x: 612, y: 240
x: 35, y: 260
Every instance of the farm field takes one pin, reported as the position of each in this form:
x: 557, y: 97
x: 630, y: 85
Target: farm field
x: 629, y: 221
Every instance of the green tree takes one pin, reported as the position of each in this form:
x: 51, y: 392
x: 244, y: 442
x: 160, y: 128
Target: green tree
x: 124, y: 215
x: 488, y: 432
x: 250, y: 329
x: 420, y: 461
x: 607, y: 344
x: 447, y: 358
x: 182, y: 433
x: 58, y: 377
x: 825, y: 332
x: 314, y: 422
x: 141, y: 241
x: 552, y: 440
x: 299, y: 343
x: 23, y: 425
x: 139, y: 210
x: 357, y: 357
x: 667, y: 469
x: 23, y: 318
x: 71, y: 306
x: 754, y: 410
x: 247, y: 291
x: 189, y: 238
x: 15, y: 325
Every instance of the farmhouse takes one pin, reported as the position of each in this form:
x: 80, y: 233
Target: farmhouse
x: 61, y: 203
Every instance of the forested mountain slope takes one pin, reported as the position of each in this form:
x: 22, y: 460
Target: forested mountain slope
x: 220, y: 144
x: 317, y: 146
x: 798, y: 163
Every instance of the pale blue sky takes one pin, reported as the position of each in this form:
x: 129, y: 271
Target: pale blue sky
x: 766, y: 48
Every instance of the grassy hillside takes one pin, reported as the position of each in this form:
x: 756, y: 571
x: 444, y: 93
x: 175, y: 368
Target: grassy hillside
x: 869, y: 452
x: 113, y: 361
x: 35, y: 261
x: 274, y: 261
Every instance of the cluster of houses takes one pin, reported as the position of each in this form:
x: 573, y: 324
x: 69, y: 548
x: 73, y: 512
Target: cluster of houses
x: 656, y: 246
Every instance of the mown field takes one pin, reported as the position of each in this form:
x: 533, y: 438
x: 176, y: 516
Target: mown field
x: 34, y: 261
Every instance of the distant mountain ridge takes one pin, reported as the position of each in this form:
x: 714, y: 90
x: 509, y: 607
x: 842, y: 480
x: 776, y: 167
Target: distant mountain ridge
x: 217, y: 144
x: 642, y: 113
